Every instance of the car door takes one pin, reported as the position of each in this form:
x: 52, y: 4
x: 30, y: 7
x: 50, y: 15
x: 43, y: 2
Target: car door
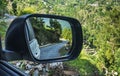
x: 6, y: 69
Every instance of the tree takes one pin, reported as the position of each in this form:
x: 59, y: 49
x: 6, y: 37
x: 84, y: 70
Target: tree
x: 3, y: 10
x: 56, y: 27
x: 3, y: 4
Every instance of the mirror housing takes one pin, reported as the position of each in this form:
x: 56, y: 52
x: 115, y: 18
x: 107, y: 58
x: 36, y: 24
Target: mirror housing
x: 17, y: 41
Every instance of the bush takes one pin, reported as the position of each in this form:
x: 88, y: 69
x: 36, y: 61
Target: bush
x: 3, y: 28
x: 27, y: 10
x: 85, y: 65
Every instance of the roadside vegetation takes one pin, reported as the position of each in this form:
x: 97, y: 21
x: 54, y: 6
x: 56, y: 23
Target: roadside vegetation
x: 100, y: 21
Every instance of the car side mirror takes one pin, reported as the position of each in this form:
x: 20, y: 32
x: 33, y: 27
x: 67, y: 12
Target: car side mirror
x: 44, y: 38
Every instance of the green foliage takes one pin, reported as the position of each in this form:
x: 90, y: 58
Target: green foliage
x: 2, y: 28
x: 46, y: 33
x: 85, y: 65
x: 56, y: 26
x: 3, y: 4
x: 67, y: 34
x: 20, y: 7
x: 100, y: 21
x: 27, y: 10
x: 116, y: 65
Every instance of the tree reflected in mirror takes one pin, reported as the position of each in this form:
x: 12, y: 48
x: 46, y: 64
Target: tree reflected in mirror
x: 54, y: 36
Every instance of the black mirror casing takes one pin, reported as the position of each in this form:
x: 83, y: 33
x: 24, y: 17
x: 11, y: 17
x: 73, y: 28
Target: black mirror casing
x: 16, y: 38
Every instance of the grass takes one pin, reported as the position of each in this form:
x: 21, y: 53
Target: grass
x: 85, y: 65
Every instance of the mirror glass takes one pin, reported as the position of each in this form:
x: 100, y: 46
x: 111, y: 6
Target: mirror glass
x: 52, y: 37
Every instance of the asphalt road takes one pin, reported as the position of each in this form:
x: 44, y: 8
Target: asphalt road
x: 51, y: 51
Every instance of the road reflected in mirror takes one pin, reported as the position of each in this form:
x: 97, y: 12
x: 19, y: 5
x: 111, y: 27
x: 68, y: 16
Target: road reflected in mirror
x: 54, y: 36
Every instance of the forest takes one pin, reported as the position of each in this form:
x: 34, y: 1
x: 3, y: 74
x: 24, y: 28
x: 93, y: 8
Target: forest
x: 100, y: 20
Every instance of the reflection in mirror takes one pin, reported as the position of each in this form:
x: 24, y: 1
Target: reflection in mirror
x: 54, y: 36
